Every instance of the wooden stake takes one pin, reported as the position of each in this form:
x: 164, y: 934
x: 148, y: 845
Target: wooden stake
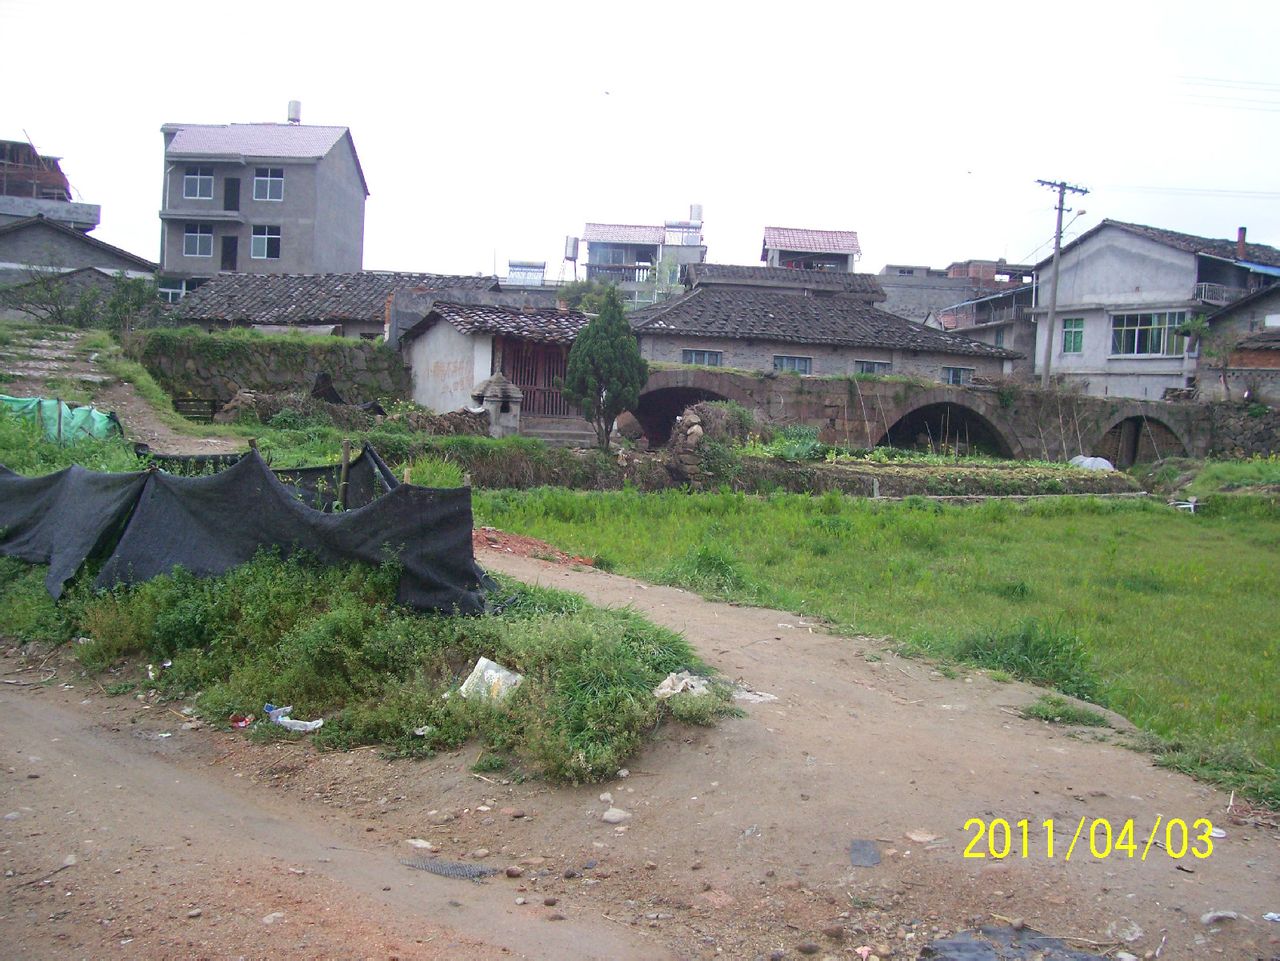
x: 342, y: 475
x: 406, y: 474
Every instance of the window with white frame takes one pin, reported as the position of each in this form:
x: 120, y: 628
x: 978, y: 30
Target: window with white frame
x: 1073, y: 335
x: 197, y: 240
x: 957, y: 376
x: 265, y: 244
x: 197, y: 183
x: 874, y: 366
x: 797, y: 365
x: 268, y: 183
x: 1155, y: 334
x: 704, y: 358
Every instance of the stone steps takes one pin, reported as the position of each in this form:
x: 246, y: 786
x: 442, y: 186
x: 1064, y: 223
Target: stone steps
x: 559, y: 431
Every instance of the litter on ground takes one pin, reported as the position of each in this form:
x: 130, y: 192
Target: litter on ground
x: 490, y: 681
x: 682, y: 682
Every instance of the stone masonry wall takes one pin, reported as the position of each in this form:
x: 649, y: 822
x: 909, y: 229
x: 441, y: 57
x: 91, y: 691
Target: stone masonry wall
x: 191, y: 363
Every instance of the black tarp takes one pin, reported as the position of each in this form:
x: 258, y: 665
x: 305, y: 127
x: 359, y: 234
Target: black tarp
x: 64, y: 518
x: 368, y: 476
x: 208, y: 525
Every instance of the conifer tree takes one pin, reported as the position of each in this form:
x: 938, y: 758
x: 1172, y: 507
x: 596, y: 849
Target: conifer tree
x: 605, y: 373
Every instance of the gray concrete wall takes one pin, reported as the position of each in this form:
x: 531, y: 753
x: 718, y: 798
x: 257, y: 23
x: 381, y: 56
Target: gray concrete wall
x: 758, y: 355
x: 44, y: 246
x: 339, y: 212
x: 78, y: 216
x: 915, y: 296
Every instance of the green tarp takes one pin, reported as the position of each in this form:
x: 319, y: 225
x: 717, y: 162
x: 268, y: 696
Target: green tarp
x: 61, y: 422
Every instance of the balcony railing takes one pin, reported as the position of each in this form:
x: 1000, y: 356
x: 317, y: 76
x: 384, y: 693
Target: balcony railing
x: 619, y: 273
x: 999, y: 315
x: 1218, y: 293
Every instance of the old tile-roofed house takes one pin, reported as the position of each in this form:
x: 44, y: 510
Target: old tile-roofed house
x: 1125, y: 295
x: 37, y: 244
x: 454, y: 340
x: 357, y: 301
x: 1241, y: 353
x: 816, y: 282
x: 753, y: 329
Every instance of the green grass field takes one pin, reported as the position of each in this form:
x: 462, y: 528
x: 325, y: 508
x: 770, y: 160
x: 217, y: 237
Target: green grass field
x: 1163, y: 616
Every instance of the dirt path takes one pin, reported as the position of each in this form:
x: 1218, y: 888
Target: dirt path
x: 737, y: 847
x: 46, y: 365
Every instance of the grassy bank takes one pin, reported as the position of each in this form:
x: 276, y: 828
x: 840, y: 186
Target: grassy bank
x: 1163, y: 616
x: 331, y: 642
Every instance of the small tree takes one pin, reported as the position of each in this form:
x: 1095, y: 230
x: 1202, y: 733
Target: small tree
x: 605, y: 371
x: 584, y: 295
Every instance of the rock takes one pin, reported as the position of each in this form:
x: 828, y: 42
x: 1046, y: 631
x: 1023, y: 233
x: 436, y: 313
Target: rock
x: 777, y: 955
x: 650, y: 866
x: 834, y: 932
x: 522, y: 901
x: 570, y: 874
x: 194, y: 913
x: 884, y: 950
x: 551, y: 902
x: 807, y: 947
x: 514, y: 871
x: 615, y: 816
x: 513, y: 812
x: 607, y: 798
x: 1212, y: 917
x: 624, y: 772
x: 273, y: 917
x: 555, y: 916
x: 1017, y: 924
x: 479, y: 853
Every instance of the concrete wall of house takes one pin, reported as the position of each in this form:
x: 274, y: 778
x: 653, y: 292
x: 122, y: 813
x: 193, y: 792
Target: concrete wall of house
x: 1116, y: 272
x: 321, y: 217
x: 445, y: 364
x: 914, y: 296
x: 1018, y: 335
x: 758, y: 355
x: 43, y: 246
x: 339, y: 212
x: 75, y: 215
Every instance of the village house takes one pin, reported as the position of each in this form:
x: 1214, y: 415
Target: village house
x: 32, y: 185
x: 259, y: 198
x: 799, y: 248
x: 922, y: 293
x: 798, y: 321
x: 1240, y: 353
x: 351, y: 305
x: 1002, y: 320
x: 1125, y: 295
x: 644, y: 262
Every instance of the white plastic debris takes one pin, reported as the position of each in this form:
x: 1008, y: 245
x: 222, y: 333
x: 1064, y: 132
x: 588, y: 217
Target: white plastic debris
x: 424, y: 730
x: 1091, y: 463
x: 280, y: 715
x: 1271, y: 916
x: 490, y: 681
x: 752, y: 697
x: 680, y: 683
x: 1212, y: 917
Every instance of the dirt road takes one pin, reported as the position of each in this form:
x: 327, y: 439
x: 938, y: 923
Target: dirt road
x: 737, y: 847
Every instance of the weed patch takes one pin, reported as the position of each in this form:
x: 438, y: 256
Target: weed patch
x: 1058, y: 710
x: 1035, y: 652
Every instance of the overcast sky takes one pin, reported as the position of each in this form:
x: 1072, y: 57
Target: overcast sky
x: 488, y: 132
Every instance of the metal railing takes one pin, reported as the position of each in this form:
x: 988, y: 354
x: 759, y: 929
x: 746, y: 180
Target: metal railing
x: 619, y: 273
x: 1218, y: 293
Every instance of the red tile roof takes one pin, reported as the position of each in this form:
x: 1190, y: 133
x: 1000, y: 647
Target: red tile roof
x: 623, y: 234
x: 812, y: 241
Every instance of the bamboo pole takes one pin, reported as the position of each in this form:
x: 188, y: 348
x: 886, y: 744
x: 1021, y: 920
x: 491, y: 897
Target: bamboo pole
x: 342, y: 474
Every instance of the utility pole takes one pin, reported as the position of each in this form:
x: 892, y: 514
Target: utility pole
x: 1062, y: 187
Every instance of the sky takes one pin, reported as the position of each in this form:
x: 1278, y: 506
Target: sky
x: 489, y: 132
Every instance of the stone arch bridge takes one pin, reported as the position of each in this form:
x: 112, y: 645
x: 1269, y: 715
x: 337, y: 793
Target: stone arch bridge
x: 1016, y: 421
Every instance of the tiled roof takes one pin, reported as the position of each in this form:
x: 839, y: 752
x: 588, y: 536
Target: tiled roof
x: 812, y: 241
x: 545, y: 324
x: 1226, y: 249
x: 254, y: 139
x: 79, y: 237
x: 623, y: 234
x: 740, y: 314
x: 786, y: 277
x: 1268, y: 339
x: 310, y: 298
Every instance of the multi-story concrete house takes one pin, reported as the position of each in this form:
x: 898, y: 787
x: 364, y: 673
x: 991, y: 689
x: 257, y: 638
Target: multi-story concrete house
x: 644, y: 262
x: 922, y: 293
x: 1125, y: 295
x: 259, y: 198
x: 32, y: 185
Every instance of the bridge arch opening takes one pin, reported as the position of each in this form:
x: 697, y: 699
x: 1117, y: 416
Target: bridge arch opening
x: 947, y: 427
x: 658, y: 410
x: 1138, y: 440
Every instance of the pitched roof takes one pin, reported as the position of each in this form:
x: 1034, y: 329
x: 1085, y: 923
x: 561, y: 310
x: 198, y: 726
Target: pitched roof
x: 253, y: 139
x: 812, y: 241
x: 785, y: 277
x: 623, y: 234
x: 80, y: 237
x: 1268, y: 339
x: 740, y: 314
x: 310, y: 298
x: 1190, y: 243
x: 545, y: 324
x: 269, y: 140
